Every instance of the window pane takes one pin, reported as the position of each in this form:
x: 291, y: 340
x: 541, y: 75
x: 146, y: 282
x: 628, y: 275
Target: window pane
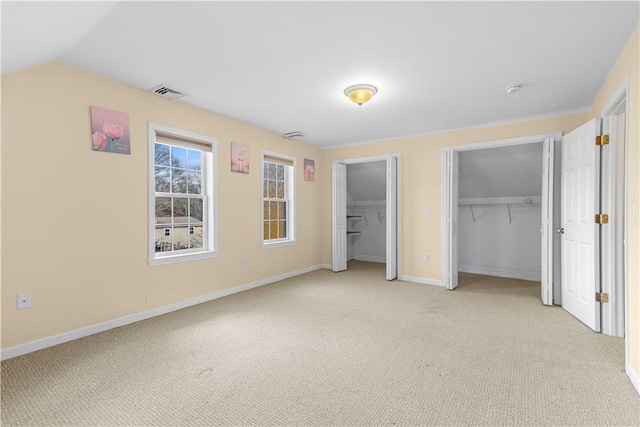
x: 162, y: 240
x: 266, y: 231
x: 282, y: 210
x: 280, y: 190
x: 163, y: 210
x: 265, y: 189
x: 271, y: 171
x: 273, y: 210
x: 163, y: 175
x: 180, y: 206
x: 265, y: 213
x: 280, y: 172
x: 273, y: 229
x: 272, y: 189
x: 282, y: 229
x: 194, y: 186
x: 195, y: 159
x: 162, y: 155
x: 178, y: 157
x: 178, y: 181
x: 196, y: 240
x: 195, y: 210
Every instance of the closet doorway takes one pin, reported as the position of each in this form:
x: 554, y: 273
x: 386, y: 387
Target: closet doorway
x: 365, y: 212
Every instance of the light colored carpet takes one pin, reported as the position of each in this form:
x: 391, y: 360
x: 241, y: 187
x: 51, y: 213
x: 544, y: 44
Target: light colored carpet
x: 335, y: 349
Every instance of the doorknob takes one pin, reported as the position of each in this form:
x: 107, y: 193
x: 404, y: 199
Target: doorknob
x: 560, y: 230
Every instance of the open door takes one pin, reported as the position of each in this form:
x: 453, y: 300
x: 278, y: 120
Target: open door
x: 451, y: 252
x: 339, y: 217
x: 546, y: 230
x: 580, y: 200
x: 392, y: 218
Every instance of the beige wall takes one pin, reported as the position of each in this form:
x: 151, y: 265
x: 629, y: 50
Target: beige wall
x: 628, y: 66
x: 53, y: 182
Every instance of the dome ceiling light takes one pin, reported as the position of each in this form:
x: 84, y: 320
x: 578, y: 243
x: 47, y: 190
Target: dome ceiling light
x: 360, y: 93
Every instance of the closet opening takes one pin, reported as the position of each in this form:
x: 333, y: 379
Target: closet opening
x: 365, y: 212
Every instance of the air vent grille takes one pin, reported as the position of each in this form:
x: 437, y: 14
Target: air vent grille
x: 295, y: 134
x: 167, y: 92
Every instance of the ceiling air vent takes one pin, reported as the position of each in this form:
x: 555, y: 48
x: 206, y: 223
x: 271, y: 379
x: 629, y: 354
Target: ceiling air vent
x: 167, y: 92
x: 295, y: 134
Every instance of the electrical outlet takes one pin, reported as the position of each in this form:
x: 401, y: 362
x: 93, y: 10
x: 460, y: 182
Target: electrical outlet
x: 24, y: 301
x: 309, y: 248
x: 427, y: 256
x: 243, y: 261
x: 427, y: 210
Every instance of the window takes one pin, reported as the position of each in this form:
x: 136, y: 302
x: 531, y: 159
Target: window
x: 278, y: 200
x: 182, y: 196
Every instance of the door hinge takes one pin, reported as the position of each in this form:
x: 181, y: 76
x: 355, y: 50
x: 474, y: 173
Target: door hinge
x: 602, y: 219
x: 602, y: 297
x: 602, y: 139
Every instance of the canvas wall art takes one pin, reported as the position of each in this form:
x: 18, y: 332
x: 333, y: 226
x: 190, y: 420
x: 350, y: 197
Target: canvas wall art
x: 239, y: 158
x: 110, y: 131
x: 309, y: 170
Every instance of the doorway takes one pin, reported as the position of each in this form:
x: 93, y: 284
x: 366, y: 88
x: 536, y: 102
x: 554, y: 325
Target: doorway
x: 365, y: 207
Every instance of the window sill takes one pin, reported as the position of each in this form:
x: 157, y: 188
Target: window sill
x: 174, y: 259
x: 279, y: 244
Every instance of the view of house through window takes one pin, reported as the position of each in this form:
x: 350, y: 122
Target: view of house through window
x: 277, y: 194
x: 182, y: 193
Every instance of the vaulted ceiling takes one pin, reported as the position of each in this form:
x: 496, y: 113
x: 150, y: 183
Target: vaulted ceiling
x: 284, y: 65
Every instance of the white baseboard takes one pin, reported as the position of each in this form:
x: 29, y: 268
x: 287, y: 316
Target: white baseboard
x: 42, y: 343
x: 512, y: 273
x: 633, y: 376
x: 370, y: 258
x: 421, y: 280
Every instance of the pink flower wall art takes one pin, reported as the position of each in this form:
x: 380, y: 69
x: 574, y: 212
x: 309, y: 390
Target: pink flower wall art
x: 309, y: 170
x: 239, y: 158
x: 110, y: 131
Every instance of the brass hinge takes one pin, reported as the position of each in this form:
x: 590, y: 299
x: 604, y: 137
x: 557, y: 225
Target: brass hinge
x: 602, y: 219
x: 602, y: 297
x: 602, y: 139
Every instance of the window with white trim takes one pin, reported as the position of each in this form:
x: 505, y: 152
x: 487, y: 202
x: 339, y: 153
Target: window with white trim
x: 182, y: 196
x: 278, y: 200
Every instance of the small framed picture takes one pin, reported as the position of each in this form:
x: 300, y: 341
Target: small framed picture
x: 110, y: 131
x: 240, y: 158
x: 309, y: 170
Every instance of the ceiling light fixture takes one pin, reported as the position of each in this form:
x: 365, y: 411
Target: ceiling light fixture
x: 360, y: 93
x: 513, y: 89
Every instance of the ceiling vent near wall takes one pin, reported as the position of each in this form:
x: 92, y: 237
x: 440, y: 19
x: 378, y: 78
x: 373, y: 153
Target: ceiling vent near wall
x: 295, y: 134
x: 167, y: 92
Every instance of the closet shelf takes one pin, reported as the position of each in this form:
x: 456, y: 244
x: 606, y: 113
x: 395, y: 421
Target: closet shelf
x: 503, y: 205
x: 354, y: 216
x: 354, y: 232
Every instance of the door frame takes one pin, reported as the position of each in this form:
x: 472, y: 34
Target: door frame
x: 448, y: 208
x: 617, y: 164
x: 369, y: 159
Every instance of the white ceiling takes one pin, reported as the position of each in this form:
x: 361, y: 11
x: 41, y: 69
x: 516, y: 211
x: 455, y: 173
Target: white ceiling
x: 284, y: 65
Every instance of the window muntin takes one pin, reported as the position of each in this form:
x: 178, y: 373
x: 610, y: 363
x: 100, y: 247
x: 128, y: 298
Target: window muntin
x: 181, y: 195
x: 278, y: 200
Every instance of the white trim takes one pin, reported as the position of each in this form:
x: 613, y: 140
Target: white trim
x: 510, y: 273
x: 40, y: 344
x: 444, y: 131
x: 326, y: 266
x: 619, y: 98
x: 421, y: 280
x: 531, y: 139
x: 633, y: 376
x: 211, y: 212
x: 370, y: 258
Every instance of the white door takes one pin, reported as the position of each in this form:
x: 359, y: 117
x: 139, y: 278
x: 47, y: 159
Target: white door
x: 339, y: 217
x: 580, y: 200
x: 392, y: 218
x: 452, y: 255
x: 546, y: 230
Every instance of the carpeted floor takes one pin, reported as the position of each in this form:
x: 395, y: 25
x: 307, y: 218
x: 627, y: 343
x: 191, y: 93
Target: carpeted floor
x: 335, y: 349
